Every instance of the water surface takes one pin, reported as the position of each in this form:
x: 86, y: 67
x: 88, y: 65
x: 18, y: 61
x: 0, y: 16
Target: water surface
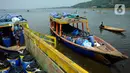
x: 39, y: 21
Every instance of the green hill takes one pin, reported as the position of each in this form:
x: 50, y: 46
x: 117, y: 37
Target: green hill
x: 102, y: 3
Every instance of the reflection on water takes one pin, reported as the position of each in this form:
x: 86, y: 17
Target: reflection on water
x: 101, y: 30
x: 114, y: 67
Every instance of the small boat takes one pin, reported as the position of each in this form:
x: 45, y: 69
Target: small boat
x: 40, y: 47
x: 85, y: 12
x: 67, y: 30
x: 111, y: 28
x: 27, y: 10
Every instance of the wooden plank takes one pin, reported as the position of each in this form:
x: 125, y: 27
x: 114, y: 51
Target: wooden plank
x: 45, y: 62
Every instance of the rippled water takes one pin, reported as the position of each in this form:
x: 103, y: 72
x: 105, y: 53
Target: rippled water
x: 39, y: 21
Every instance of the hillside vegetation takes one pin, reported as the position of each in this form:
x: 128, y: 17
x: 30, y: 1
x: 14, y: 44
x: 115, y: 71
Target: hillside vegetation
x: 102, y: 3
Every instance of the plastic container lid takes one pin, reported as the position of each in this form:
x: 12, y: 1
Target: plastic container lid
x: 4, y: 64
x: 5, y: 38
x: 17, y: 69
x: 13, y: 55
x: 30, y: 69
x: 34, y: 65
x: 25, y: 52
x: 27, y: 58
x: 41, y: 71
x: 2, y: 56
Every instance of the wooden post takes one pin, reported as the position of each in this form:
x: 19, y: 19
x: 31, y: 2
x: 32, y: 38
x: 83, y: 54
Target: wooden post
x: 82, y: 26
x: 87, y: 27
x: 77, y: 25
x: 57, y: 28
x: 73, y: 24
x: 51, y: 24
x: 60, y: 29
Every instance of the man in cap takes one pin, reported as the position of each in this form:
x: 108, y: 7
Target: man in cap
x: 17, y: 30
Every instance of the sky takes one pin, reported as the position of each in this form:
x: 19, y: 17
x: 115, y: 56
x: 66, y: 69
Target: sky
x: 29, y: 4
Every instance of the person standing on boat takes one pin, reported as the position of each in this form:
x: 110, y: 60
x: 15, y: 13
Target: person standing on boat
x: 17, y: 30
x: 101, y: 26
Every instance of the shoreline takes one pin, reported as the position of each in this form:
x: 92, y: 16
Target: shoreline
x: 65, y: 8
x: 98, y: 8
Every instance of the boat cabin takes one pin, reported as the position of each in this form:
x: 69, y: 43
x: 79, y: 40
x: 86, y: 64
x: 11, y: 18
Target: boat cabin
x: 61, y: 26
x: 69, y: 29
x: 7, y: 38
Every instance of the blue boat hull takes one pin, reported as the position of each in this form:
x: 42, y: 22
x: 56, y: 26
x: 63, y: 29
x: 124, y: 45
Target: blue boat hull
x: 102, y: 58
x: 75, y: 48
x: 79, y: 50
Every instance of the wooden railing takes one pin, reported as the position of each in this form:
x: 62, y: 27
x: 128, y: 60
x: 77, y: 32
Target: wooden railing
x: 47, y: 38
x: 62, y: 61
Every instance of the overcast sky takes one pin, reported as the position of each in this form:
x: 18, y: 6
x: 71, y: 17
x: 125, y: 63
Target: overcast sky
x: 25, y: 4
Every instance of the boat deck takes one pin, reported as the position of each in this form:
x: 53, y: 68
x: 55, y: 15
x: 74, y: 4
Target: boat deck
x: 13, y: 48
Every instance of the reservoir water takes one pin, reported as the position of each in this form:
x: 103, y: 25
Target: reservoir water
x: 39, y: 20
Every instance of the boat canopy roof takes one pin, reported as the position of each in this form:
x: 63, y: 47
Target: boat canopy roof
x: 7, y: 24
x: 66, y: 18
x: 6, y: 19
x: 9, y: 16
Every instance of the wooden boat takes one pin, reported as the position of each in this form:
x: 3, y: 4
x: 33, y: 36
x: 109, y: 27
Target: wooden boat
x: 100, y: 50
x: 112, y: 28
x: 42, y: 47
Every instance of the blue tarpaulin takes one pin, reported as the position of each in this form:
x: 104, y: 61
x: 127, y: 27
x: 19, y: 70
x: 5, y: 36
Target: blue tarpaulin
x: 75, y: 32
